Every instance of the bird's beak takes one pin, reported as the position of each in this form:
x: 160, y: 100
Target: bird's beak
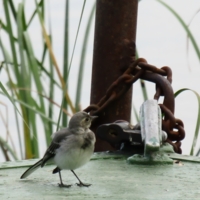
x: 93, y: 117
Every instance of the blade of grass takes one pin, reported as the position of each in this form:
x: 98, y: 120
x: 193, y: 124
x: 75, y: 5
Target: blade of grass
x: 79, y: 24
x: 142, y: 82
x: 48, y: 43
x: 36, y: 110
x: 42, y: 8
x: 44, y: 53
x: 71, y: 62
x: 4, y: 151
x: 5, y: 121
x: 11, y: 99
x: 35, y: 72
x: 45, y: 97
x: 136, y: 114
x: 198, y: 118
x: 5, y: 28
x: 25, y: 80
x: 51, y: 83
x: 41, y: 3
x: 65, y: 58
x: 144, y: 89
x: 184, y: 25
x: 49, y: 75
x: 25, y: 125
x: 82, y: 60
x: 13, y: 10
x: 30, y: 107
x: 51, y: 94
x: 11, y: 38
x: 187, y: 39
x: 8, y: 148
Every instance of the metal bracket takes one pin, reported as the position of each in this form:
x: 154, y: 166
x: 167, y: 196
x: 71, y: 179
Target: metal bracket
x: 148, y: 134
x: 119, y: 132
x: 151, y: 126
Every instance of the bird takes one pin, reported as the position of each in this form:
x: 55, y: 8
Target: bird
x: 70, y: 148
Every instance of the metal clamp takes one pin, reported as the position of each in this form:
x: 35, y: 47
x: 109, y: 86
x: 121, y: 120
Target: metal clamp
x: 148, y: 134
x: 119, y: 132
x: 151, y: 126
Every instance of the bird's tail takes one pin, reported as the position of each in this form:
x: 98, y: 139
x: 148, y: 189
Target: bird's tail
x: 31, y: 169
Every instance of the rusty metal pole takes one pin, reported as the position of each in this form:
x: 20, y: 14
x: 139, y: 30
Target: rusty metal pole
x: 115, y: 21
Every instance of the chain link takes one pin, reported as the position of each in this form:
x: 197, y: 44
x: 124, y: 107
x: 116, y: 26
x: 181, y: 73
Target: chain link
x: 140, y: 69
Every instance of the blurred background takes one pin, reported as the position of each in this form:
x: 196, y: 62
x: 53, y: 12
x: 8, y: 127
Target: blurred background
x: 34, y: 70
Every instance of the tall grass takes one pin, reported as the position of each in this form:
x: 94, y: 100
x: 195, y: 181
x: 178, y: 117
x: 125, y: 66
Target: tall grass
x: 32, y: 97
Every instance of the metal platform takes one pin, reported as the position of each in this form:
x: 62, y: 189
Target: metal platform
x: 111, y: 178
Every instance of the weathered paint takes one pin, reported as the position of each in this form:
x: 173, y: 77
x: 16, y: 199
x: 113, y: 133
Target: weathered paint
x: 110, y: 178
x: 151, y: 126
x: 159, y: 157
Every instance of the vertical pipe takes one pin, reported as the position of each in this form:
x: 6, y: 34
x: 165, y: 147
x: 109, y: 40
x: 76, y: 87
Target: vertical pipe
x: 115, y: 21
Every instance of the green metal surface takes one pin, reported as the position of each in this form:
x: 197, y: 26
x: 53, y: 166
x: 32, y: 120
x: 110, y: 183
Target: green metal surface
x: 111, y: 178
x: 154, y: 157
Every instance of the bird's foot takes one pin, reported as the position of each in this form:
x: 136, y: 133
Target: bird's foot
x: 63, y: 185
x: 81, y: 184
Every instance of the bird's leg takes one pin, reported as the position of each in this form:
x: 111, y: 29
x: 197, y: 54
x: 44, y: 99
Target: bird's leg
x: 61, y: 183
x: 80, y: 182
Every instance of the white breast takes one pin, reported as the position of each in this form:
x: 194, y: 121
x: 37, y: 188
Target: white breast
x: 71, y: 156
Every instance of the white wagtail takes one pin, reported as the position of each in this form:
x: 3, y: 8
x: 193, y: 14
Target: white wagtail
x: 70, y: 148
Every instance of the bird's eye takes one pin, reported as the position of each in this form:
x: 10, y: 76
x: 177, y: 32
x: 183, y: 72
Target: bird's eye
x: 86, y: 119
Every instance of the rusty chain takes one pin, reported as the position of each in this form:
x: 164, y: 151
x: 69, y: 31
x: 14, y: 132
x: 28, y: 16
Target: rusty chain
x: 140, y: 69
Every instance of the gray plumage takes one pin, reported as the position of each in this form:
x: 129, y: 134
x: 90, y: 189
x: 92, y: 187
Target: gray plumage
x: 70, y: 148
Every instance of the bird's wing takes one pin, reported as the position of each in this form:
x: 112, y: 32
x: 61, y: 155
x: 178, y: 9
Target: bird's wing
x: 55, y: 144
x: 50, y: 152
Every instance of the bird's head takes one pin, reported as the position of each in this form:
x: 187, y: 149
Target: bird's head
x: 81, y: 119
